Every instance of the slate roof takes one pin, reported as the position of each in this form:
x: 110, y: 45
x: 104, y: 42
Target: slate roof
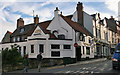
x: 111, y: 24
x: 69, y: 16
x: 93, y: 15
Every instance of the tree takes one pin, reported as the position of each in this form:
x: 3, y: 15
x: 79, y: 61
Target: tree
x: 11, y: 56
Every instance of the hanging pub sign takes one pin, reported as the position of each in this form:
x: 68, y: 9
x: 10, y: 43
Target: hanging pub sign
x: 75, y: 45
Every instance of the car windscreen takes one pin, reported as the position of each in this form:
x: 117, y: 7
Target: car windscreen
x: 117, y: 50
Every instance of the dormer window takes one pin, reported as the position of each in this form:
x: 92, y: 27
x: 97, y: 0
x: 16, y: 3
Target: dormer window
x: 22, y: 30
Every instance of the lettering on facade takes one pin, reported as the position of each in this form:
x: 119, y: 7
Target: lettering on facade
x: 37, y: 32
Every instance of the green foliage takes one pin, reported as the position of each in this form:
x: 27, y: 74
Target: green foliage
x: 11, y: 56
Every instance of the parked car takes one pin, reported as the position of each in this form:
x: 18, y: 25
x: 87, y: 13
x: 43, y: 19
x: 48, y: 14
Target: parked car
x: 116, y: 57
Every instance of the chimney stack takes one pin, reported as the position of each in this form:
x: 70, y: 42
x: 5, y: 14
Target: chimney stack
x: 80, y: 18
x: 36, y: 20
x: 56, y: 12
x: 20, y: 22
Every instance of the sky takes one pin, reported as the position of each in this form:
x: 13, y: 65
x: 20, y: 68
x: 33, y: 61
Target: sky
x: 11, y: 10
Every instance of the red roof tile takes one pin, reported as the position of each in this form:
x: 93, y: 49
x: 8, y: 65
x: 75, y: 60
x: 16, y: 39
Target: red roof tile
x: 76, y: 26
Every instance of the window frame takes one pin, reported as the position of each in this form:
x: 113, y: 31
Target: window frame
x: 42, y: 48
x: 22, y: 30
x: 87, y: 51
x: 55, y: 53
x: 66, y: 47
x: 24, y: 50
x: 55, y: 46
x: 32, y: 49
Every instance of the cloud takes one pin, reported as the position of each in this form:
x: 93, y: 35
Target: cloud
x: 11, y: 11
x: 112, y: 5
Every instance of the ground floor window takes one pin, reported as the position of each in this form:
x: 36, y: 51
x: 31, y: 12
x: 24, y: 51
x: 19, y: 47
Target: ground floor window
x: 98, y: 50
x: 66, y: 46
x: 32, y: 48
x: 88, y: 50
x: 55, y: 53
x: 41, y: 48
x: 24, y: 50
x: 19, y: 50
x: 55, y: 46
x: 83, y: 50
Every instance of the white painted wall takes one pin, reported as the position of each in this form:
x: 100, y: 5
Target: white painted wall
x: 61, y: 26
x: 88, y: 22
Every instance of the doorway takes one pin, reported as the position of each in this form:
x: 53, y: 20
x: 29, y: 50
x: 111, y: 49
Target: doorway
x: 78, y: 53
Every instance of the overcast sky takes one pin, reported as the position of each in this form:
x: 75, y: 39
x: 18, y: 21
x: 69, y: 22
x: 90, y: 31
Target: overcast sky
x: 11, y: 10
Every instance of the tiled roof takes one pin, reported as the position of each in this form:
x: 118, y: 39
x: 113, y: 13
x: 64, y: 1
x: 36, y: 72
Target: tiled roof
x: 27, y: 30
x: 76, y: 26
x: 111, y: 24
x: 10, y: 32
x: 69, y: 16
x: 44, y: 25
x: 93, y: 15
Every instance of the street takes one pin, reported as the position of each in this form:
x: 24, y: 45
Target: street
x: 92, y: 66
x: 99, y: 67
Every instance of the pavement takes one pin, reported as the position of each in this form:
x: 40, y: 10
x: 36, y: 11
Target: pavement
x: 62, y: 66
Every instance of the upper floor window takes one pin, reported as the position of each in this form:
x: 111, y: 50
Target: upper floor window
x: 106, y: 36
x: 22, y: 30
x: 99, y: 34
x: 61, y: 36
x: 82, y: 37
x: 89, y: 40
